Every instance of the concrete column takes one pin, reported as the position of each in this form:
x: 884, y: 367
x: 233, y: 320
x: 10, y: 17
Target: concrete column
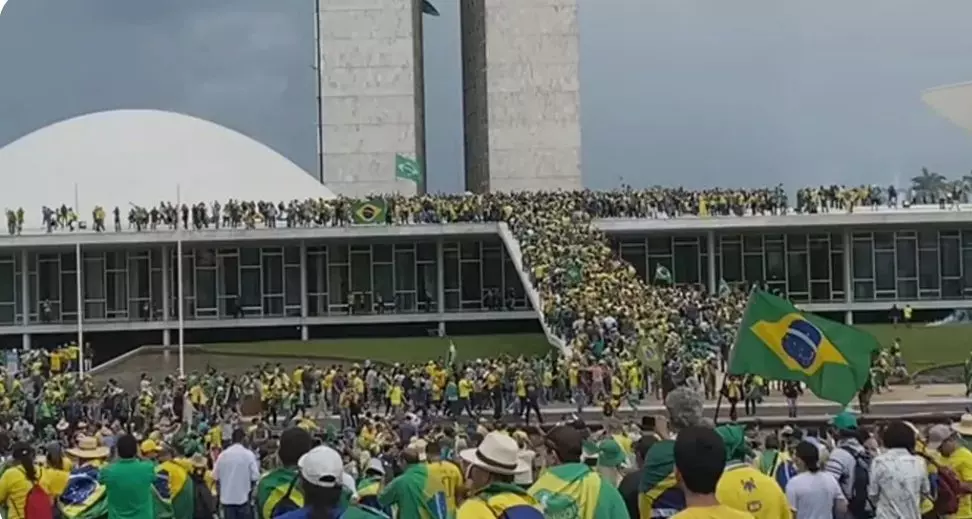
x: 711, y: 262
x: 166, y: 253
x: 440, y: 276
x: 25, y: 288
x: 848, y: 276
x: 166, y: 337
x: 25, y: 340
x: 304, y: 332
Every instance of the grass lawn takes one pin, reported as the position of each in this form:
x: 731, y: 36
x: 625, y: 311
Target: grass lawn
x: 923, y: 346
x: 390, y: 350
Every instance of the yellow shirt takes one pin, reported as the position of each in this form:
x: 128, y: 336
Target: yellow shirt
x: 450, y: 476
x: 478, y: 508
x: 395, y: 395
x: 960, y: 461
x: 55, y: 361
x: 711, y: 512
x: 465, y: 388
x: 14, y: 487
x: 746, y: 489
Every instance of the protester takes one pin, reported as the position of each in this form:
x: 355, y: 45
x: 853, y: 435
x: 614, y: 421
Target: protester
x: 946, y: 441
x: 814, y: 494
x: 418, y: 492
x: 489, y: 476
x: 700, y: 459
x: 848, y: 455
x: 632, y: 480
x: 898, y: 478
x: 323, y: 484
x: 742, y: 486
x: 236, y: 471
x: 128, y: 483
x: 278, y: 491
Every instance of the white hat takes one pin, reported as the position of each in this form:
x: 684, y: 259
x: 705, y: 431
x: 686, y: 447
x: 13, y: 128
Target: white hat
x: 376, y: 465
x: 498, y: 454
x: 322, y: 466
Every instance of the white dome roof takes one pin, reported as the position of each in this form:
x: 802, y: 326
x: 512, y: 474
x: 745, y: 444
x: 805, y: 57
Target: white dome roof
x: 143, y: 157
x: 953, y: 102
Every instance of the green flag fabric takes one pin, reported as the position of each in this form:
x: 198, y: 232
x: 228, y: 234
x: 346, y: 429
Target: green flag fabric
x: 724, y: 289
x: 369, y: 211
x: 777, y: 341
x: 408, y: 169
x: 663, y: 275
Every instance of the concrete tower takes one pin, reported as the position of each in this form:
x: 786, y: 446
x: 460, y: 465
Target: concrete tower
x: 371, y: 93
x: 521, y: 94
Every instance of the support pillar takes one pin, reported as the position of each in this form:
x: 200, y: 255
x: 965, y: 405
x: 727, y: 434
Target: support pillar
x: 440, y: 283
x: 25, y: 341
x: 166, y: 333
x: 710, y: 260
x: 848, y: 276
x: 304, y: 332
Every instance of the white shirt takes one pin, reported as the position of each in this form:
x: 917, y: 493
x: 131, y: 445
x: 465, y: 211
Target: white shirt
x: 898, y: 480
x: 813, y: 495
x: 236, y: 469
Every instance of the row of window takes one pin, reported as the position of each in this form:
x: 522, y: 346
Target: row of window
x: 230, y: 282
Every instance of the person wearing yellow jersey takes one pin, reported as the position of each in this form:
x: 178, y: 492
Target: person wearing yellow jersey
x: 395, y: 395
x: 700, y: 460
x: 957, y: 457
x: 745, y: 488
x: 465, y: 395
x: 55, y: 360
x: 492, y: 467
x: 18, y: 480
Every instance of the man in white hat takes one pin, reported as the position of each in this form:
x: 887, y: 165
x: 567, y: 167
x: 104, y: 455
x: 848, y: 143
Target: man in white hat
x: 324, y: 483
x: 491, y: 469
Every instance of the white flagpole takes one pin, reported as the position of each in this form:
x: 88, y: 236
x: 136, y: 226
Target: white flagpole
x: 182, y: 329
x: 80, y: 302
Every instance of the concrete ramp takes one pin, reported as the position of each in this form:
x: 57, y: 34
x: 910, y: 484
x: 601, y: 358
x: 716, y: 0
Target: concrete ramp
x: 516, y: 254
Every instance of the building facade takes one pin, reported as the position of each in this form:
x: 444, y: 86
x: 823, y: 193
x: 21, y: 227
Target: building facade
x: 521, y: 94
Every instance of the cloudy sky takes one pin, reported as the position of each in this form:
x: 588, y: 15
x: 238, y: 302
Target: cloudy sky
x: 693, y: 92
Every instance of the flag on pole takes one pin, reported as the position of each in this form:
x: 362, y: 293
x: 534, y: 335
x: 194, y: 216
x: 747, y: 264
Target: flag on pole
x: 663, y: 275
x: 451, y: 354
x: 724, y: 289
x: 408, y: 169
x: 777, y: 341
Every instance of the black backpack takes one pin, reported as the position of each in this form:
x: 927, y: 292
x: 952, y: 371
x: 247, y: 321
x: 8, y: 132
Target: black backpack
x: 203, y: 501
x: 858, y: 504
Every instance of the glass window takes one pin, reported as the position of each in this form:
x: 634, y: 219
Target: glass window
x: 205, y: 289
x: 796, y: 242
x: 48, y: 276
x: 472, y: 290
x: 967, y: 239
x: 927, y: 239
x: 752, y: 243
x: 753, y: 266
x: 272, y: 275
x: 837, y: 241
x: 907, y: 289
x: 797, y: 279
x: 250, y: 284
x: 884, y: 270
x: 273, y: 306
x: 469, y: 249
x: 775, y: 262
x: 863, y: 262
x: 361, y: 273
x: 69, y: 261
x: 928, y: 269
x: 635, y: 256
x: 8, y: 282
x: 952, y: 288
x: 337, y: 254
x: 687, y: 264
x: 837, y: 271
x: 967, y: 267
x: 820, y: 261
x: 426, y: 251
x: 864, y: 290
x: 382, y: 253
x: 138, y: 279
x: 655, y: 261
x: 820, y: 291
x: 907, y: 263
x: 451, y: 272
x: 292, y: 286
x: 385, y: 282
x: 292, y: 255
x: 427, y: 285
x: 950, y: 258
x: 660, y: 245
x: 69, y: 292
x: 512, y: 277
x: 250, y: 256
x: 404, y: 270
x: 94, y: 287
x: 492, y: 269
x: 205, y: 257
x: 337, y: 286
x: 732, y: 263
x: 230, y: 276
x: 883, y: 241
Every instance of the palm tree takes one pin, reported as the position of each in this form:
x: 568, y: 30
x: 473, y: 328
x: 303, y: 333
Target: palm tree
x: 928, y: 185
x: 429, y: 9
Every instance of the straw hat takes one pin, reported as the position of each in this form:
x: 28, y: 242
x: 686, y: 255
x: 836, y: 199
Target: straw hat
x: 198, y: 461
x: 497, y: 454
x: 964, y: 425
x: 63, y: 425
x: 88, y: 449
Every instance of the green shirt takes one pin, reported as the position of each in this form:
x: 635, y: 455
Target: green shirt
x: 128, y: 488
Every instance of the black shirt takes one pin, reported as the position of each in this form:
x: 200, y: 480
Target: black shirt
x: 629, y: 492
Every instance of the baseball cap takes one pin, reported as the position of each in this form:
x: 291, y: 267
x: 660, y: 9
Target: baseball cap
x: 844, y: 421
x: 150, y: 446
x: 939, y: 434
x: 322, y: 466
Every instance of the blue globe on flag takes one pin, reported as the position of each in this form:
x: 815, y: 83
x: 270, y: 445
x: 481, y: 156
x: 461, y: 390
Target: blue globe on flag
x: 802, y: 341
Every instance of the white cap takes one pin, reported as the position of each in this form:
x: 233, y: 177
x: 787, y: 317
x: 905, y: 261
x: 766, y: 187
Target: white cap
x: 322, y: 466
x: 376, y: 465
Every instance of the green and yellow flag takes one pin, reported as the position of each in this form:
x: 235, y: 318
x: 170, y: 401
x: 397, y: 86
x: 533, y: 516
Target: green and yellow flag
x: 779, y: 342
x: 369, y: 211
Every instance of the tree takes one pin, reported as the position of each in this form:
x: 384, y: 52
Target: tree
x: 928, y: 183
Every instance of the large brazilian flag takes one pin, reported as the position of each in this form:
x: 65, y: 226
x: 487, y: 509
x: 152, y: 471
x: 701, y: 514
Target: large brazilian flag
x: 278, y: 492
x: 86, y: 498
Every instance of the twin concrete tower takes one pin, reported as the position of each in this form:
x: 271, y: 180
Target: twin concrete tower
x: 521, y: 93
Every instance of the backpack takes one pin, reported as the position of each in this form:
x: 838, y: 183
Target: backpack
x: 203, y: 501
x: 948, y: 489
x: 285, y: 504
x: 858, y: 504
x: 38, y: 504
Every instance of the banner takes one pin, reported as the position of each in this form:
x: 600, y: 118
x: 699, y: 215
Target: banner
x: 369, y: 211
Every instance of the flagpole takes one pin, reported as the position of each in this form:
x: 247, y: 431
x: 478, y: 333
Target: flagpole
x: 80, y: 303
x: 181, y: 289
